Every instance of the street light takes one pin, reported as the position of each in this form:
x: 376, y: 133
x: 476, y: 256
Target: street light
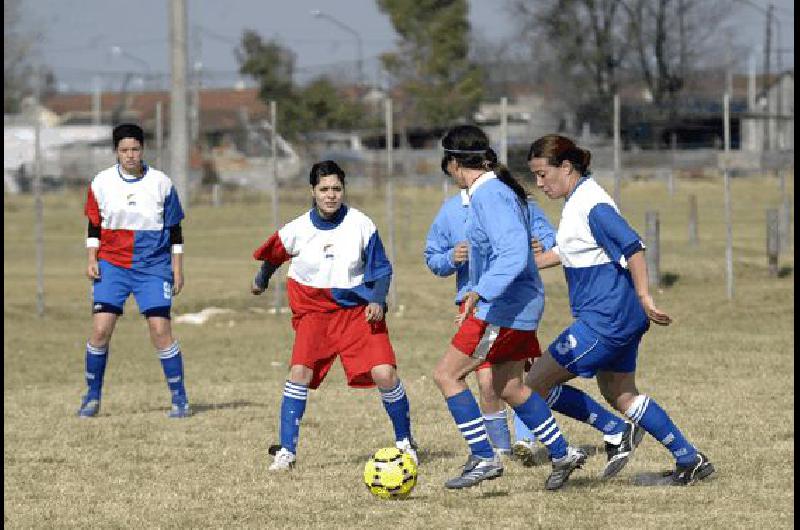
x: 316, y: 13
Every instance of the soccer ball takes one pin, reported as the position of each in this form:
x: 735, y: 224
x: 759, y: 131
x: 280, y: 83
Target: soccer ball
x: 390, y: 474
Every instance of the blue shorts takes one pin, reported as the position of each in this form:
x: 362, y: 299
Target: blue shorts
x: 581, y: 351
x: 153, y: 293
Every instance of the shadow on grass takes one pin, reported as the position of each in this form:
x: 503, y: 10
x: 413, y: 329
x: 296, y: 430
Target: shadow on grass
x: 783, y: 272
x: 200, y: 408
x: 668, y: 279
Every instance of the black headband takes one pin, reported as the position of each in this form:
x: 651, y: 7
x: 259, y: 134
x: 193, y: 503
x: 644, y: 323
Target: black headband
x: 465, y: 151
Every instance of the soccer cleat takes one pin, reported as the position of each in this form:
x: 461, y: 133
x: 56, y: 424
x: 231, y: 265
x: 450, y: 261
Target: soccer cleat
x: 408, y: 446
x: 524, y: 451
x: 620, y: 454
x: 180, y: 409
x: 476, y: 470
x: 686, y: 475
x: 284, y: 460
x: 89, y: 407
x: 563, y: 468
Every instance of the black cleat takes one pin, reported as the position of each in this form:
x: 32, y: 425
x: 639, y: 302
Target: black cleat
x: 619, y: 455
x: 687, y: 475
x: 476, y: 470
x: 563, y: 468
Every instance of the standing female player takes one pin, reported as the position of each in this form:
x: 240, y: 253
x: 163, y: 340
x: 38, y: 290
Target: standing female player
x: 134, y: 246
x: 446, y: 252
x: 338, y: 280
x: 606, y: 273
x: 506, y: 294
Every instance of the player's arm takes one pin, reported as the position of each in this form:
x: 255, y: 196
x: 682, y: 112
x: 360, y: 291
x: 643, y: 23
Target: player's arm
x: 441, y: 256
x: 176, y: 246
x: 92, y: 248
x: 272, y: 254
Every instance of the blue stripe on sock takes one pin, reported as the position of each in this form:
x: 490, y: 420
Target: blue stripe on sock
x: 95, y: 363
x: 172, y: 365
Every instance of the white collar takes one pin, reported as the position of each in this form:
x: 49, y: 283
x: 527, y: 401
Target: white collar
x: 464, y: 198
x: 489, y: 175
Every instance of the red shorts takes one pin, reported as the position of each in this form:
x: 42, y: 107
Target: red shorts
x: 361, y: 345
x: 494, y: 344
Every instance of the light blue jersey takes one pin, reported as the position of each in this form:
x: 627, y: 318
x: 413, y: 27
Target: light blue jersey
x: 594, y: 243
x: 501, y: 265
x: 449, y: 228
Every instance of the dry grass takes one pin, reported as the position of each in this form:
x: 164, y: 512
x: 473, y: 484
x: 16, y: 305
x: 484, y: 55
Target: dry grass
x: 724, y: 372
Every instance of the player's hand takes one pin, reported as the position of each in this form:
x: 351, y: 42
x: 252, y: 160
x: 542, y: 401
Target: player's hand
x: 177, y: 282
x: 469, y: 303
x: 374, y: 312
x: 93, y: 270
x: 537, y: 247
x: 256, y: 290
x: 460, y: 252
x: 653, y: 313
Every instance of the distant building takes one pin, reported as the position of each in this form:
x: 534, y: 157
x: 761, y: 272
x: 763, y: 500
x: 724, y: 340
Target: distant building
x: 768, y: 123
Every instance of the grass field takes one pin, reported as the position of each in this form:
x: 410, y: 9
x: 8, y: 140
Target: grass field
x: 724, y: 370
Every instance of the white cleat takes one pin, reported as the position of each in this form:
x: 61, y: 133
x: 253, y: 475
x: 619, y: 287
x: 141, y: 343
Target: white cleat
x: 284, y: 460
x: 408, y: 447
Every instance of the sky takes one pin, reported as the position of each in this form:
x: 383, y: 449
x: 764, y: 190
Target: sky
x: 78, y: 36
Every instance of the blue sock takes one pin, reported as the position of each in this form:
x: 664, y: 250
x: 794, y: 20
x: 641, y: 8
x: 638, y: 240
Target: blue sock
x: 96, y: 358
x: 654, y: 420
x: 292, y: 408
x: 521, y: 431
x: 468, y: 417
x: 395, y: 402
x: 578, y: 405
x: 497, y: 429
x: 538, y: 418
x: 172, y: 364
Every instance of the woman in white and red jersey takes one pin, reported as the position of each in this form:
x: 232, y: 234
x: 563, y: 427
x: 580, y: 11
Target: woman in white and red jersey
x: 135, y: 246
x: 337, y: 283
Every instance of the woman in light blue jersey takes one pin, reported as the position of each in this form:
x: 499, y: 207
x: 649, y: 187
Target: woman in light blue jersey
x: 603, y: 260
x: 502, y: 305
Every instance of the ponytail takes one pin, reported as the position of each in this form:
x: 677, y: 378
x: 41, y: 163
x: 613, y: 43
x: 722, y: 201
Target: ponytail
x: 505, y: 176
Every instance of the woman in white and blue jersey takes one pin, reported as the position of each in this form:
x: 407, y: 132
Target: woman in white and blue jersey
x: 447, y: 253
x: 503, y: 303
x: 603, y: 260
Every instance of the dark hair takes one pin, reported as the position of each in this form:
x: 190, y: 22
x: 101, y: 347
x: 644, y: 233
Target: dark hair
x: 469, y: 146
x: 127, y: 130
x: 325, y: 168
x: 556, y: 149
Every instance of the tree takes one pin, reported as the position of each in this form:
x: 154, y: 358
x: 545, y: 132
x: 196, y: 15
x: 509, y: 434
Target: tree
x: 432, y: 66
x: 317, y: 106
x: 17, y: 47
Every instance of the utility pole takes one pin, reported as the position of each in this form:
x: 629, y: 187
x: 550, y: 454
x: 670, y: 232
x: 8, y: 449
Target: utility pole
x: 37, y: 191
x: 179, y: 147
x: 765, y: 83
x: 97, y: 94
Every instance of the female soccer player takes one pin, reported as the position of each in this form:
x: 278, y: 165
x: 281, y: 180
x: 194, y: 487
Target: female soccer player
x: 338, y: 280
x: 134, y: 246
x: 603, y: 259
x: 506, y: 294
x: 446, y: 252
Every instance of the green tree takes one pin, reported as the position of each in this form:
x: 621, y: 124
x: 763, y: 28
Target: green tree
x: 317, y: 106
x: 432, y: 66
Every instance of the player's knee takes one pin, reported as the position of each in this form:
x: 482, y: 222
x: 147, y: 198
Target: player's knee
x: 384, y: 376
x: 490, y: 401
x: 300, y: 374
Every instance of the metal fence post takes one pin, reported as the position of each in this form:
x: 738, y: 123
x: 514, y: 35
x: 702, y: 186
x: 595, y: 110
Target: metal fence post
x: 653, y: 253
x: 693, y: 231
x: 773, y: 241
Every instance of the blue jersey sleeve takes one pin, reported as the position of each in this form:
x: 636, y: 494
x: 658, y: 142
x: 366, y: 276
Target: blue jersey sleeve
x: 613, y: 233
x: 173, y: 212
x: 439, y: 245
x: 505, y: 225
x: 541, y: 228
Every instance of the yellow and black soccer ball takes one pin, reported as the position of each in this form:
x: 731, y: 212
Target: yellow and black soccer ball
x: 390, y: 474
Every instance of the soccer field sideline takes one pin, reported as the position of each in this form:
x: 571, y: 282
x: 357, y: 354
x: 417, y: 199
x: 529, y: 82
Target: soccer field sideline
x: 724, y: 370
